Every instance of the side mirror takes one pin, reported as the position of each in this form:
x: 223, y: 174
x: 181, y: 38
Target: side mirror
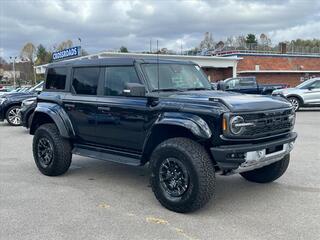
x: 134, y: 89
x: 310, y: 88
x: 214, y: 86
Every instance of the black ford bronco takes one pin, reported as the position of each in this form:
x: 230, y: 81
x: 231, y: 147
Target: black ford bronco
x: 137, y: 111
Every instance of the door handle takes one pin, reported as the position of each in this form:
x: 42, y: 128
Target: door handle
x: 104, y: 109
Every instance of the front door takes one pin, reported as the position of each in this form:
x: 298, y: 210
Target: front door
x: 121, y: 119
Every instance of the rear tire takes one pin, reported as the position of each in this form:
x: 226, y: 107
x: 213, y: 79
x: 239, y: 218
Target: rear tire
x: 183, y: 176
x: 296, y: 103
x: 13, y: 116
x: 268, y: 173
x: 51, y: 152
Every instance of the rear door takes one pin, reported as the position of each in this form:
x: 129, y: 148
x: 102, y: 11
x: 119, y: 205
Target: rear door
x: 81, y: 105
x: 120, y: 118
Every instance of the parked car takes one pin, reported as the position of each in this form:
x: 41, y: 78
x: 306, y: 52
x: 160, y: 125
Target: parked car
x: 248, y: 85
x: 307, y: 94
x: 4, y: 90
x: 134, y: 111
x: 27, y: 108
x: 10, y: 104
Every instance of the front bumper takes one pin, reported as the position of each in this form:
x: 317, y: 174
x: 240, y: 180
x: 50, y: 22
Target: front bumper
x: 247, y: 157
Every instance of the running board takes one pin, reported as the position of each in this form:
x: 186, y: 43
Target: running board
x: 107, y: 155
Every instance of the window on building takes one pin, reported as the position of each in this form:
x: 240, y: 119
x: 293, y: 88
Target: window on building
x: 56, y: 78
x: 116, y: 79
x: 85, y: 80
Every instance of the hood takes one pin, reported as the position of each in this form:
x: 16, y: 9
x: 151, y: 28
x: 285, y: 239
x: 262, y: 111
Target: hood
x: 286, y: 91
x: 19, y: 95
x: 237, y: 102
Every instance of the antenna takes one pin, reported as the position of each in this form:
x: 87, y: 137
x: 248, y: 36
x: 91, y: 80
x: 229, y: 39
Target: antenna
x: 158, y: 67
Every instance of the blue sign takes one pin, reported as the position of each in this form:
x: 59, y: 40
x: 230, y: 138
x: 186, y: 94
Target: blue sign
x: 66, y: 53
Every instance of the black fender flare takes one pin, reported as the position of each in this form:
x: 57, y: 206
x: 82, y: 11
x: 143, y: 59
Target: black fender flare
x: 192, y: 123
x: 57, y: 114
x: 195, y: 124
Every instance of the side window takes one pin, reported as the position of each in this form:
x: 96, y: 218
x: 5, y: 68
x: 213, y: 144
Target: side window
x: 316, y: 84
x: 247, y: 83
x: 116, y: 79
x: 56, y: 78
x: 233, y: 84
x: 85, y: 80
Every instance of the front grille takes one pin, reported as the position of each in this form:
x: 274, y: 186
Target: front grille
x: 268, y: 123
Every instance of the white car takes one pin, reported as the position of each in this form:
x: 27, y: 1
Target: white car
x: 306, y: 94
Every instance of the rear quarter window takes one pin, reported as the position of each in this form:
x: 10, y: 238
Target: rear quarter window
x: 56, y: 78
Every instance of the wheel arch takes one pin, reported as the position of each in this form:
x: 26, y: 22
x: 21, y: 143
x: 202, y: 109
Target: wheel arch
x: 52, y: 113
x: 296, y: 96
x: 172, y: 125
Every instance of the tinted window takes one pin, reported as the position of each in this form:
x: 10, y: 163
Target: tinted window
x: 247, y: 83
x: 116, y: 79
x: 233, y: 84
x: 85, y: 80
x: 316, y: 84
x: 56, y: 78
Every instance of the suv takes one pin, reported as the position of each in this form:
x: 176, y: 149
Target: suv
x: 306, y: 94
x: 137, y: 111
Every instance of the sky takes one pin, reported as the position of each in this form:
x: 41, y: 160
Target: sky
x: 106, y: 25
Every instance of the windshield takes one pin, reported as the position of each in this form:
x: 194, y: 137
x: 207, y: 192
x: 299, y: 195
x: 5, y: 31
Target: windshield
x: 305, y: 83
x: 176, y: 77
x: 34, y: 89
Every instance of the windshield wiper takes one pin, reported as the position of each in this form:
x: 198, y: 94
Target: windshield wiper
x: 169, y: 90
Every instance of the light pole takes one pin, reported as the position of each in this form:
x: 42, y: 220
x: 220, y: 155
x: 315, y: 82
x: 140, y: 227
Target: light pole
x: 80, y: 46
x: 14, y: 71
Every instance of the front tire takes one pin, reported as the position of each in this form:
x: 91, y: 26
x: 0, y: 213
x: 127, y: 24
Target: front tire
x: 268, y: 173
x: 295, y: 103
x: 51, y: 152
x: 13, y: 116
x: 183, y: 176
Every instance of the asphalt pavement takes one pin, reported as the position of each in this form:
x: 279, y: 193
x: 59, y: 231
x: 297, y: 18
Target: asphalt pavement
x: 102, y: 200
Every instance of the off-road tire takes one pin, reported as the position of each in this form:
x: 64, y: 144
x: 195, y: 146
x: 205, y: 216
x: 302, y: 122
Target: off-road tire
x: 295, y: 102
x: 268, y: 173
x: 199, y: 166
x: 62, y: 154
x: 12, y: 123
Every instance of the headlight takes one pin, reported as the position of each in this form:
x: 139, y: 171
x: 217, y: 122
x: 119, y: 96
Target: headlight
x: 236, y: 125
x: 27, y: 102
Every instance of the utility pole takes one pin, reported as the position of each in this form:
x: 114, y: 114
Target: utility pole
x: 14, y: 71
x: 80, y: 46
x: 150, y: 45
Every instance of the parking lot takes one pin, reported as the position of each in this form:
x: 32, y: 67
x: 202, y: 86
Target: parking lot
x: 102, y: 200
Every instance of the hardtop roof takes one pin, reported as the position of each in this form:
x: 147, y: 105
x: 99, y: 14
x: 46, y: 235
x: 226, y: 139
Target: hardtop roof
x: 114, y: 61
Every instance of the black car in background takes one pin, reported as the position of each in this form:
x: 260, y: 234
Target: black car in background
x: 248, y: 85
x: 10, y: 104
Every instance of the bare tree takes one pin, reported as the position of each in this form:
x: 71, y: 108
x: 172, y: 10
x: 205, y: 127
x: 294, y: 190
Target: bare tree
x: 28, y: 52
x: 207, y: 43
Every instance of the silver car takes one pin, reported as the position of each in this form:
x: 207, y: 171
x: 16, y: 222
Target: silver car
x: 306, y: 94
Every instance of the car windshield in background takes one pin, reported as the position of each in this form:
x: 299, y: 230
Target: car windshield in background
x: 33, y: 89
x: 175, y: 77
